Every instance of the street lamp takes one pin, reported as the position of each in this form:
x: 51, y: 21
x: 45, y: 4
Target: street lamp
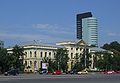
x: 85, y: 54
x: 59, y: 61
x: 58, y: 65
x: 35, y: 55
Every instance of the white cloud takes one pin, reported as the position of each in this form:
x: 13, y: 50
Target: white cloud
x: 113, y: 34
x: 15, y: 36
x: 44, y: 26
x: 54, y: 29
x: 44, y: 32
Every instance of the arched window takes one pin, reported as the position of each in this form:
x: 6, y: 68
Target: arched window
x: 49, y: 54
x: 45, y: 54
x: 35, y: 64
x: 25, y: 54
x: 41, y: 54
x: 71, y: 55
x: 76, y: 49
x: 30, y: 54
x: 30, y: 63
x: 25, y: 63
x: 35, y: 53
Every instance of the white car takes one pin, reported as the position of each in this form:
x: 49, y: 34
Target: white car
x: 83, y: 72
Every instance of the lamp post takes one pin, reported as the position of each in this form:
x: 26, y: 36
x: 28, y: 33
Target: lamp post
x: 59, y: 61
x: 35, y: 55
x: 85, y: 54
x: 58, y: 65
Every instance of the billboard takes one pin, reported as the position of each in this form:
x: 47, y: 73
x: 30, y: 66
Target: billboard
x: 44, y: 65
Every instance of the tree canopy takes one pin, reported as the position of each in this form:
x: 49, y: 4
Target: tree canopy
x: 11, y: 60
x: 110, y: 61
x: 61, y: 59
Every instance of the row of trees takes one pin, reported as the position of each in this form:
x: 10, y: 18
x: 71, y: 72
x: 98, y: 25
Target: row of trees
x: 11, y: 60
x: 82, y: 61
x: 60, y: 61
x: 109, y: 61
x: 61, y: 58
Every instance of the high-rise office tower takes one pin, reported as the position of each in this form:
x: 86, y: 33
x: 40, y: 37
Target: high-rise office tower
x: 89, y: 31
x: 79, y: 23
x: 87, y: 28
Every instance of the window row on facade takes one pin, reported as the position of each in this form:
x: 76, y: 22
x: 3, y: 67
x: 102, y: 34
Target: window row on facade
x: 38, y: 54
x: 80, y: 49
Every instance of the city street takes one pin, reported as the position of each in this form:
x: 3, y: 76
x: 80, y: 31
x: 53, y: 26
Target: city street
x: 36, y: 78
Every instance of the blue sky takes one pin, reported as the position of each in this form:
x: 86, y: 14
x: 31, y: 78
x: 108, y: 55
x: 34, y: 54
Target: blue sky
x: 51, y: 21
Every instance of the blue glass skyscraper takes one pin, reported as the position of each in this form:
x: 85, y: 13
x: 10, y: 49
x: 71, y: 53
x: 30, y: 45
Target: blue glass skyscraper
x: 90, y: 31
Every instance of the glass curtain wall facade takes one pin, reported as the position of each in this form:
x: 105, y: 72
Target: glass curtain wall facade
x: 90, y: 31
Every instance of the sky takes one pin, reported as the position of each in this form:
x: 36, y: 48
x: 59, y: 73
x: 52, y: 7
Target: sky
x: 51, y: 21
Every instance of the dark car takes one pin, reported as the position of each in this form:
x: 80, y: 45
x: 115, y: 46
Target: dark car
x: 73, y: 72
x: 44, y: 71
x: 11, y: 72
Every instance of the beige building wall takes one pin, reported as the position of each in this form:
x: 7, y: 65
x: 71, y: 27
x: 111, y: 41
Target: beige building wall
x: 74, y: 48
x: 35, y: 54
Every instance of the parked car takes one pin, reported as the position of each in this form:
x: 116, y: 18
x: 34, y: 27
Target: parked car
x: 117, y: 71
x: 83, y: 72
x: 109, y: 72
x: 11, y: 72
x: 49, y: 72
x: 44, y: 71
x: 58, y: 72
x: 73, y: 72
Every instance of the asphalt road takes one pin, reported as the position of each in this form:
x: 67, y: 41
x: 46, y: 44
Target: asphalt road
x: 90, y: 78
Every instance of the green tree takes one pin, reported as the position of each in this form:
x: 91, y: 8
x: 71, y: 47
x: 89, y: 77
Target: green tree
x: 82, y: 61
x: 11, y: 60
x: 79, y: 64
x: 61, y: 59
x: 116, y: 62
x: 115, y: 48
x: 17, y: 55
x: 51, y: 64
x: 105, y: 61
x: 4, y: 58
